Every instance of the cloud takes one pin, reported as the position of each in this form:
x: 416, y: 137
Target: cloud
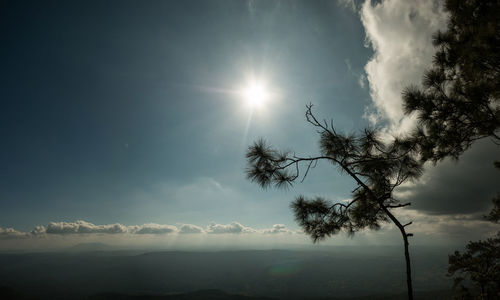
x: 359, y: 75
x: 38, y: 231
x: 400, y: 34
x: 427, y: 229
x: 83, y: 228
x: 350, y: 4
x: 80, y: 227
x: 462, y: 187
x: 362, y: 80
x: 277, y: 228
x: 11, y: 233
x: 237, y: 228
x: 190, y: 228
x: 234, y: 228
x: 448, y: 227
x: 152, y: 228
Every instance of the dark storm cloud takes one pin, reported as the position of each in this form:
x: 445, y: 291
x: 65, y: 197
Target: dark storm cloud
x: 462, y: 187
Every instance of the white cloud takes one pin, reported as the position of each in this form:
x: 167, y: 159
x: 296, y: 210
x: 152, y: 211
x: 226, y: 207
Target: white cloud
x: 359, y: 75
x: 362, y: 80
x: 234, y: 227
x: 86, y: 228
x: 83, y: 227
x: 278, y: 228
x: 400, y: 34
x: 11, y: 233
x: 152, y: 228
x: 427, y: 229
x: 190, y: 228
x: 350, y: 4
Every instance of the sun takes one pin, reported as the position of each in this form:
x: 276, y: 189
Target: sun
x: 256, y: 95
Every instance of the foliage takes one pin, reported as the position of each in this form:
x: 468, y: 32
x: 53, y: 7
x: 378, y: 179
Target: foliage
x: 377, y: 169
x: 494, y: 215
x: 459, y: 102
x: 480, y: 263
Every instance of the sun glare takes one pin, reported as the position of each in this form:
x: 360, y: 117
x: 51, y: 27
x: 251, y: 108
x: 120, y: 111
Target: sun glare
x: 256, y: 95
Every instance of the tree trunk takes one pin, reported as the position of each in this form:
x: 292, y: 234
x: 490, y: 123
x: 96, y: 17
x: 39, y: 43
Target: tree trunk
x: 405, y: 235
x: 396, y: 222
x: 408, y: 266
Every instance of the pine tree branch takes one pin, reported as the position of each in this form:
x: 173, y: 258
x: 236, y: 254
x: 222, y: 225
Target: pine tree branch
x: 398, y: 205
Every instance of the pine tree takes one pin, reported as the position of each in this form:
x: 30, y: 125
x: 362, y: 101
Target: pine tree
x: 459, y: 104
x: 460, y: 99
x: 376, y: 168
x: 480, y: 263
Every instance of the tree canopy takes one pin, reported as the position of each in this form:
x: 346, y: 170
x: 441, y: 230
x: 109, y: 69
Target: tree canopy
x: 480, y: 264
x: 460, y: 98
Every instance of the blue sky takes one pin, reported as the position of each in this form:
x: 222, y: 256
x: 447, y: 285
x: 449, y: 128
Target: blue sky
x: 128, y: 112
x: 106, y: 101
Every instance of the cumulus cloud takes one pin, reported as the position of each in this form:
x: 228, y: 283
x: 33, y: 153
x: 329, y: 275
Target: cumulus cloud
x: 400, y: 34
x: 278, y: 228
x: 190, y: 228
x: 79, y: 227
x: 234, y: 227
x: 38, y: 231
x: 152, y: 228
x: 83, y: 227
x: 11, y: 233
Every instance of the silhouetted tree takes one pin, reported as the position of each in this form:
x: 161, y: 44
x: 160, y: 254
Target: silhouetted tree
x: 494, y: 215
x: 480, y: 263
x: 459, y: 102
x: 376, y: 168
